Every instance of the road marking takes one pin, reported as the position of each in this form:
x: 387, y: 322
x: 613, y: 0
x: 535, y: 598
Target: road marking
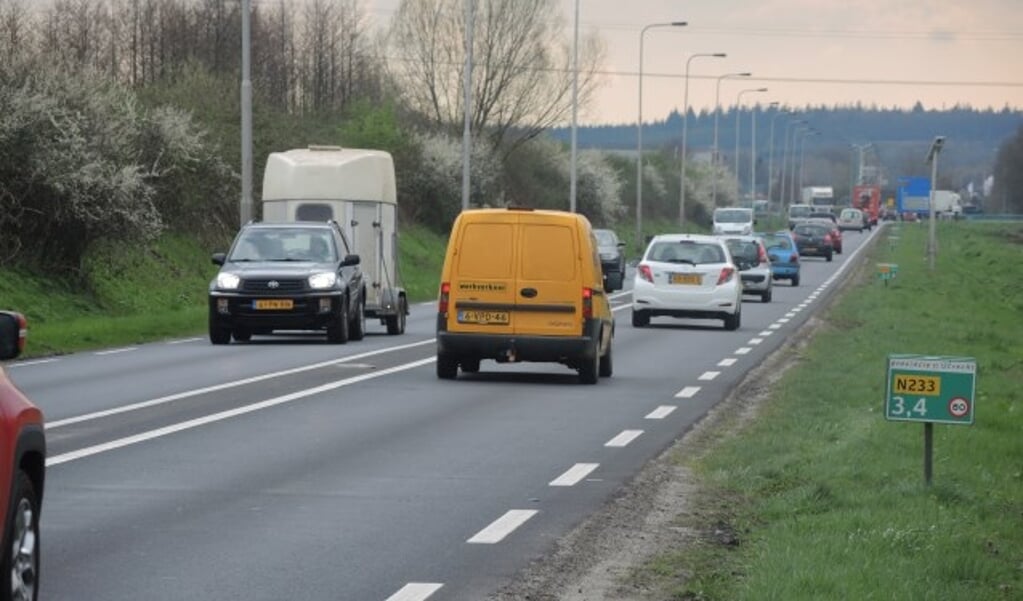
x: 196, y: 339
x: 709, y: 375
x: 784, y: 319
x: 190, y: 393
x: 574, y: 475
x: 415, y: 591
x: 790, y: 314
x: 209, y: 419
x: 727, y: 362
x: 502, y: 527
x: 661, y: 412
x: 687, y: 393
x: 117, y: 350
x: 743, y: 351
x: 774, y: 326
x: 36, y: 362
x: 755, y: 341
x: 624, y: 438
x: 765, y: 333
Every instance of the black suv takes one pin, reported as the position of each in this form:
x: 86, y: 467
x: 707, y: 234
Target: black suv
x: 612, y: 259
x: 287, y: 276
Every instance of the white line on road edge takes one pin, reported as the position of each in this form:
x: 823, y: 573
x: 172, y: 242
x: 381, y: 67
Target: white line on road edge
x: 190, y: 393
x: 115, y: 351
x: 202, y: 421
x: 727, y: 362
x: 661, y: 412
x: 184, y: 340
x: 502, y: 527
x: 687, y: 392
x: 709, y: 375
x: 574, y: 475
x: 415, y: 591
x: 36, y: 362
x: 624, y: 438
x: 743, y: 351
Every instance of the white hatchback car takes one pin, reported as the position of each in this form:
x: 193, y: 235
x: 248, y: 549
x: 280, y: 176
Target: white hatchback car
x: 750, y: 256
x: 687, y: 275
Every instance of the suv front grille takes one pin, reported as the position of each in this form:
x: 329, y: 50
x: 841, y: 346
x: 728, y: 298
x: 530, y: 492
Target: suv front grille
x: 265, y: 285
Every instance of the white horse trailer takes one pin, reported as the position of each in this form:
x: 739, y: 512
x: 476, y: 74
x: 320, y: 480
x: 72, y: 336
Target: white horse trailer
x: 354, y: 187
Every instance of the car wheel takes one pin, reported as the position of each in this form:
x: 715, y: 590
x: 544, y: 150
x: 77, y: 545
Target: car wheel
x: 242, y: 334
x: 447, y: 367
x: 396, y: 323
x: 357, y: 330
x: 337, y: 329
x: 590, y: 368
x: 607, y: 362
x: 766, y: 296
x: 21, y: 549
x: 640, y: 319
x: 218, y: 333
x: 470, y: 365
x: 795, y: 280
x: 733, y: 321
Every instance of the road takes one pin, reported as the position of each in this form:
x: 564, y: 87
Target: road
x: 288, y: 468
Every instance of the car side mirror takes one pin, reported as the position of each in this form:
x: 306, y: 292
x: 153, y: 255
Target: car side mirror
x: 621, y: 245
x: 350, y: 260
x: 13, y: 329
x: 218, y: 258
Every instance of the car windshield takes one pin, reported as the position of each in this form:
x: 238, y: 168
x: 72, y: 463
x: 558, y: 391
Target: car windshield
x: 799, y: 211
x: 733, y: 216
x: 777, y: 241
x: 850, y: 214
x: 605, y: 237
x: 283, y: 244
x: 686, y: 251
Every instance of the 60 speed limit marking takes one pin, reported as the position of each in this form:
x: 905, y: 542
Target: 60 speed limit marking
x: 958, y: 406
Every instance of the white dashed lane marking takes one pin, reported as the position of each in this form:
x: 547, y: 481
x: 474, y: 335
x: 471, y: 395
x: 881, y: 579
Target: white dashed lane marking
x: 727, y: 362
x: 687, y: 392
x: 624, y: 438
x: 502, y: 527
x: 574, y: 475
x: 709, y: 375
x: 416, y: 591
x: 661, y: 412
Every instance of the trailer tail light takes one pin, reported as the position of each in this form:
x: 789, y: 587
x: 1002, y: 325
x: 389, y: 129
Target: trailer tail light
x: 645, y: 273
x: 445, y: 293
x: 587, y: 303
x: 726, y: 275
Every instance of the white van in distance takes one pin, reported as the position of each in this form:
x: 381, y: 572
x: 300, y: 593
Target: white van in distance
x: 734, y: 220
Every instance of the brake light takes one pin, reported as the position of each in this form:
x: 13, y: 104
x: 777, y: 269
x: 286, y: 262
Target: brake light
x: 726, y: 275
x: 794, y: 258
x: 445, y: 293
x: 827, y: 238
x: 587, y: 303
x: 761, y: 254
x: 645, y: 273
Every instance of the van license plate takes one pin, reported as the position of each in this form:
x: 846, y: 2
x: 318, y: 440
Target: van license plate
x: 691, y: 279
x: 484, y: 317
x: 272, y: 304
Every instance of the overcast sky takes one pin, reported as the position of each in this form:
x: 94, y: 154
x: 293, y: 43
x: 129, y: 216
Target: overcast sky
x: 888, y: 52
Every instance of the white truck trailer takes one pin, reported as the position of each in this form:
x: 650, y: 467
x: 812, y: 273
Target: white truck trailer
x: 356, y: 188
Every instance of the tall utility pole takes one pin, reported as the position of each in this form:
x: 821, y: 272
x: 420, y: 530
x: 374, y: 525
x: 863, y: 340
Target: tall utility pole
x: 245, y: 205
x: 685, y: 133
x: 714, y: 152
x: 575, y: 114
x: 738, y: 122
x: 785, y: 159
x: 470, y: 24
x: 753, y: 152
x: 770, y: 158
x: 932, y: 158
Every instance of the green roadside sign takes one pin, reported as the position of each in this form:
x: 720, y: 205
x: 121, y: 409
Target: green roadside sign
x: 925, y: 388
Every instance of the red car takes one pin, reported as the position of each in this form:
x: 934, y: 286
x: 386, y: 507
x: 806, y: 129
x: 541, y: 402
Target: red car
x: 22, y: 471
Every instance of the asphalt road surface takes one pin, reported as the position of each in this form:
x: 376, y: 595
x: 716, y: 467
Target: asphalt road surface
x: 289, y: 468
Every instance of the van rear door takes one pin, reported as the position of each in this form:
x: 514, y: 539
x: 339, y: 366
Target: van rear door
x: 483, y: 290
x: 548, y: 290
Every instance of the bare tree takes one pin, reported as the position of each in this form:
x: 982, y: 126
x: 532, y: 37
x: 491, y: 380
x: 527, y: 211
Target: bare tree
x: 521, y: 65
x: 15, y: 29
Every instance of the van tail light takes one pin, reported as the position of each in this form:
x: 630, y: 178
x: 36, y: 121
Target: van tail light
x: 445, y: 293
x: 726, y: 275
x: 587, y: 303
x: 645, y: 273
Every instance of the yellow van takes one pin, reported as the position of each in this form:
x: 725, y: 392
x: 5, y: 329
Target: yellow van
x: 523, y: 285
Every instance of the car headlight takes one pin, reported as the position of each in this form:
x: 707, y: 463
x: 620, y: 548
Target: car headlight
x: 228, y: 281
x: 320, y: 281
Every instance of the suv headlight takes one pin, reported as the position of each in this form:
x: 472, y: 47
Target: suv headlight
x: 228, y: 281
x: 320, y: 281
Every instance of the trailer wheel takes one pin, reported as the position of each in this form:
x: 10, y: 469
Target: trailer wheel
x: 396, y: 322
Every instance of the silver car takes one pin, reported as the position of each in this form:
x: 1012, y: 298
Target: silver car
x: 750, y: 255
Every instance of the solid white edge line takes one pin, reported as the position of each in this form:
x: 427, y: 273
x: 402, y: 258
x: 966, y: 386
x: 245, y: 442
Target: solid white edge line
x: 730, y: 361
x: 190, y: 393
x: 502, y: 527
x: 687, y: 393
x: 208, y: 419
x: 115, y: 351
x: 709, y: 375
x: 574, y: 475
x: 624, y: 438
x: 415, y: 591
x: 35, y: 362
x: 661, y: 412
x: 196, y: 339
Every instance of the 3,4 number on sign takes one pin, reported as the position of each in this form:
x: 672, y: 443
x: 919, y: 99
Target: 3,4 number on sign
x: 900, y: 408
x: 917, y: 384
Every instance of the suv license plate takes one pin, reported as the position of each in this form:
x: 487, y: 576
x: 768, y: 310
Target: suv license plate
x: 690, y: 279
x: 484, y: 317
x: 272, y: 304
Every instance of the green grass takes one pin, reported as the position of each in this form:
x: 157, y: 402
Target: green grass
x: 827, y: 498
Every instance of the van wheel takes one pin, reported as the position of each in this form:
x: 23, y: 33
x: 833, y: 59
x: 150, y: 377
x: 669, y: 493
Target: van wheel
x: 471, y: 365
x: 396, y: 322
x: 20, y: 564
x: 447, y: 367
x: 590, y: 368
x: 358, y: 328
x: 640, y: 319
x: 337, y: 330
x: 607, y: 363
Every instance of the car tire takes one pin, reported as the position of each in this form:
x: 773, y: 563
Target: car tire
x: 357, y: 330
x: 337, y: 329
x: 733, y: 321
x: 20, y: 561
x: 589, y: 370
x: 447, y: 367
x: 795, y: 281
x: 766, y: 296
x: 640, y: 319
x: 470, y: 365
x: 607, y: 362
x: 396, y: 323
x: 218, y: 333
x: 241, y: 334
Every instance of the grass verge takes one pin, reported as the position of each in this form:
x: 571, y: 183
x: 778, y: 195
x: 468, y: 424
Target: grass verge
x: 819, y: 497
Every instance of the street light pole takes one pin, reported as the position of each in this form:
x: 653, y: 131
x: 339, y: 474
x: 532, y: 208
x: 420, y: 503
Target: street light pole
x: 245, y: 208
x: 753, y: 152
x: 785, y: 159
x: 714, y: 151
x: 572, y: 187
x: 738, y: 114
x: 802, y: 149
x: 770, y: 157
x: 932, y: 158
x: 639, y: 133
x: 470, y: 25
x: 685, y: 133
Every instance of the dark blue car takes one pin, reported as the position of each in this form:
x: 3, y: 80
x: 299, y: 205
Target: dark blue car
x: 781, y: 248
